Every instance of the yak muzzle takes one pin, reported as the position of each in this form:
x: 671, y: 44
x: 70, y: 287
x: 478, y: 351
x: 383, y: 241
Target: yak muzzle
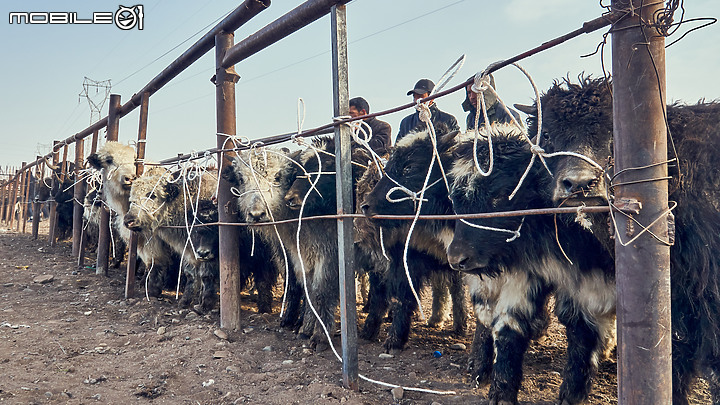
x: 131, y: 223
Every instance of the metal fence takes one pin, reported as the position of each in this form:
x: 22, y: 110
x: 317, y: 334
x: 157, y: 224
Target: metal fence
x: 627, y: 33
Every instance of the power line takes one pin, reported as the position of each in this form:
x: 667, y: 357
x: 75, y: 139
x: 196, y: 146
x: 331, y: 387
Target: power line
x: 174, y: 48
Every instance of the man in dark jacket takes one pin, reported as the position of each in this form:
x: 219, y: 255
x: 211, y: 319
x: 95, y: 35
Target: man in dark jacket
x: 495, y: 112
x: 381, y: 130
x: 422, y: 89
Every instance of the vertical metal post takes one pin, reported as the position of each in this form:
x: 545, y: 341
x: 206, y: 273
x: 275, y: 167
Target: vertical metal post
x: 139, y: 168
x: 642, y: 268
x: 83, y: 240
x: 26, y: 203
x: 22, y: 198
x: 53, y: 204
x: 3, y: 197
x: 37, y: 204
x: 79, y: 197
x: 344, y: 190
x: 103, y: 248
x: 93, y: 145
x: 64, y: 165
x: 13, y: 199
x: 225, y: 80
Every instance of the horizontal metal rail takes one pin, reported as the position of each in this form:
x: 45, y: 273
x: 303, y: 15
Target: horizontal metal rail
x: 292, y: 21
x: 482, y: 215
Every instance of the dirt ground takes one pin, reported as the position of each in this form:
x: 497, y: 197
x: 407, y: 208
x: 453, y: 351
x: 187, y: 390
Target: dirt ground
x: 76, y: 340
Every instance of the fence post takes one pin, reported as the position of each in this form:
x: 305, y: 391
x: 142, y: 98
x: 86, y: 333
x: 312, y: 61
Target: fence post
x: 103, y: 248
x: 26, y: 204
x: 79, y: 197
x: 344, y: 191
x: 53, y: 204
x: 139, y: 168
x: 4, y: 198
x: 225, y: 80
x: 21, y: 197
x: 13, y: 200
x: 643, y: 268
x: 83, y: 239
x: 37, y: 204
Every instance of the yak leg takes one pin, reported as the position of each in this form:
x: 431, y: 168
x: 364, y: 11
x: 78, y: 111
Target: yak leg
x: 439, y: 284
x: 459, y: 308
x: 377, y: 306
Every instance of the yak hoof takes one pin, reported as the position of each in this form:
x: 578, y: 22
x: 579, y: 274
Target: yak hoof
x: 319, y: 344
x: 436, y: 321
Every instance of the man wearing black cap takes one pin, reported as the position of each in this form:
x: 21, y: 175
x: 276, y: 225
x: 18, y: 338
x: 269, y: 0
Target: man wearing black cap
x: 381, y: 130
x: 422, y: 89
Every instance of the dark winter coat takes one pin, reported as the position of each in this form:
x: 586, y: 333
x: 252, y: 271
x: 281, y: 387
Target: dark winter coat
x: 411, y: 121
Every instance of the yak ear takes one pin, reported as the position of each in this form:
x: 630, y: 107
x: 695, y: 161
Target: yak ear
x: 527, y: 109
x: 228, y: 173
x: 172, y: 190
x: 96, y: 162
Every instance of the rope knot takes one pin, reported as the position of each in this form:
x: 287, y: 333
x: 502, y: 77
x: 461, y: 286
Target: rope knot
x: 481, y: 82
x: 537, y: 150
x: 424, y: 110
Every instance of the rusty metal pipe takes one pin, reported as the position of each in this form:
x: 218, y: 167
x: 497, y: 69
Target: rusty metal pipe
x: 53, y: 204
x: 79, y: 197
x: 37, y: 204
x: 295, y: 19
x: 139, y: 167
x: 23, y: 198
x: 642, y: 268
x: 226, y: 124
x: 103, y: 249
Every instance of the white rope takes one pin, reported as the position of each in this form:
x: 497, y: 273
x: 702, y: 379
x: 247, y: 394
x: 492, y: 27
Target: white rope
x: 382, y: 244
x: 515, y: 233
x: 317, y: 316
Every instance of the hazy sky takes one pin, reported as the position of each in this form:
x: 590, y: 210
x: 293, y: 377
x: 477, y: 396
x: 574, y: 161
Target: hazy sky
x: 391, y: 45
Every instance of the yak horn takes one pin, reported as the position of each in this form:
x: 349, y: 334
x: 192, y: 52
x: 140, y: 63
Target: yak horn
x: 49, y: 165
x: 527, y: 109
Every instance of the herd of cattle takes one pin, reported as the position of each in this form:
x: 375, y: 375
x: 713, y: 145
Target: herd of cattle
x: 509, y: 265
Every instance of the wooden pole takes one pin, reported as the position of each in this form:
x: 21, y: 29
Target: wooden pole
x: 642, y: 268
x: 225, y: 80
x: 103, y: 248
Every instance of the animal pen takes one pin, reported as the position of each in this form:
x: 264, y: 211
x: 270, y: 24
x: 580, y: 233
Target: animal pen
x: 643, y: 319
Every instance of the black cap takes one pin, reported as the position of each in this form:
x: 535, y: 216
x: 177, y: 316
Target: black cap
x: 422, y: 86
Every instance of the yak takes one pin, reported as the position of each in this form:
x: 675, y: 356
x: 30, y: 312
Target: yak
x: 578, y: 117
x: 260, y: 180
x: 116, y: 162
x: 558, y: 253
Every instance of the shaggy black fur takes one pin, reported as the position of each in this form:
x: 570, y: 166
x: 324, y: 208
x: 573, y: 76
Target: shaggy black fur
x: 319, y: 247
x: 578, y: 117
x: 536, y: 252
